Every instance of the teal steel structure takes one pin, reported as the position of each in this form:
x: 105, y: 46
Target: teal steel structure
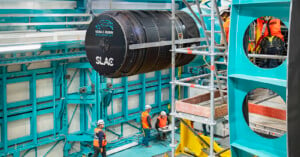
x: 91, y: 103
x: 57, y: 104
x: 244, y: 76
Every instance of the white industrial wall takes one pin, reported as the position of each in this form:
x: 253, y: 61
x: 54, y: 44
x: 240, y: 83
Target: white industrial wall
x: 20, y: 91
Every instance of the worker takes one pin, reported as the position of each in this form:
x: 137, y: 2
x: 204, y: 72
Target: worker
x: 225, y: 15
x: 269, y: 40
x: 99, y: 140
x: 266, y: 23
x: 162, y: 122
x: 146, y: 125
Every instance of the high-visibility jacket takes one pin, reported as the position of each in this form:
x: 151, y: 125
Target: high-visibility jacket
x: 162, y: 121
x: 226, y: 26
x: 144, y: 118
x: 275, y: 29
x: 96, y: 138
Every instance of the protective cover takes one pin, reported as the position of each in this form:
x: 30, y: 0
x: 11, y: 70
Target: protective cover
x: 110, y: 34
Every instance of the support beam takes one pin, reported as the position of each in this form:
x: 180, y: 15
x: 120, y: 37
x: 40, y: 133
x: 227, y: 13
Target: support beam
x: 5, y: 121
x: 34, y: 108
x: 195, y: 133
x: 70, y: 122
x: 125, y: 97
x: 119, y: 135
x: 133, y: 125
x: 45, y: 155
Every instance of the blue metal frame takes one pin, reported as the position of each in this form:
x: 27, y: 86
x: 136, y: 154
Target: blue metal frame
x: 245, y: 76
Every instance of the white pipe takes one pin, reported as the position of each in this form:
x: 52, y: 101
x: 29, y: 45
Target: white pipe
x: 173, y: 79
x: 20, y: 48
x: 212, y: 62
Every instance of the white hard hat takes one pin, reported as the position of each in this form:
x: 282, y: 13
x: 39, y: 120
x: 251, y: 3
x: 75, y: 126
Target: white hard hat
x: 224, y: 9
x: 100, y: 122
x: 148, y: 107
x: 163, y: 113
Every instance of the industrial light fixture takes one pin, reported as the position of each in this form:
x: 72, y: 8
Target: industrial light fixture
x: 20, y: 48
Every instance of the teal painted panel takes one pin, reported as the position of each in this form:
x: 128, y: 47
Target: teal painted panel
x: 244, y: 76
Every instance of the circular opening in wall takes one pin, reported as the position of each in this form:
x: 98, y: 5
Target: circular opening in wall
x: 265, y: 49
x: 265, y: 113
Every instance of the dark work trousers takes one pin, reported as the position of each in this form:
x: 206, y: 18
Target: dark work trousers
x: 161, y: 135
x: 97, y: 152
x: 146, y: 137
x: 204, y: 129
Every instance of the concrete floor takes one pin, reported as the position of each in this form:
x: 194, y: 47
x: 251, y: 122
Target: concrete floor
x: 158, y: 149
x: 264, y: 124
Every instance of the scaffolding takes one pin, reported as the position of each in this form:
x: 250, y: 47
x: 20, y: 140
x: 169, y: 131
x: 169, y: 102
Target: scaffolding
x: 210, y: 48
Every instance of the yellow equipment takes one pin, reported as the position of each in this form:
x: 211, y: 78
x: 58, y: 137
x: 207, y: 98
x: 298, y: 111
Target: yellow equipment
x: 191, y: 143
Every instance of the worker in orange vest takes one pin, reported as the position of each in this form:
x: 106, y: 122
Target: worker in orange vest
x: 162, y: 122
x: 225, y: 15
x: 266, y: 23
x: 146, y: 125
x: 269, y: 40
x: 99, y: 140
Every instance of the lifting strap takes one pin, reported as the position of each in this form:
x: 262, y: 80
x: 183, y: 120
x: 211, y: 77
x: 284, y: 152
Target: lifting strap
x: 266, y: 25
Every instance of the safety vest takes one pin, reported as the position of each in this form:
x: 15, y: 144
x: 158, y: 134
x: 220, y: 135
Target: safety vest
x: 226, y: 26
x: 162, y: 121
x: 96, y: 141
x: 275, y: 29
x: 144, y: 116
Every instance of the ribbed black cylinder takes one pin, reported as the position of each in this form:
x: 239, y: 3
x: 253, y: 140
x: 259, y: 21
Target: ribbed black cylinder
x: 110, y: 34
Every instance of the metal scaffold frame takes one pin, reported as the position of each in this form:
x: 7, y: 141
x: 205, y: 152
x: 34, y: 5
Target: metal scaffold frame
x: 211, y: 45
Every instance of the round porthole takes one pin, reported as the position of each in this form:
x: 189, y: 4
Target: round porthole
x: 265, y: 42
x: 265, y: 113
